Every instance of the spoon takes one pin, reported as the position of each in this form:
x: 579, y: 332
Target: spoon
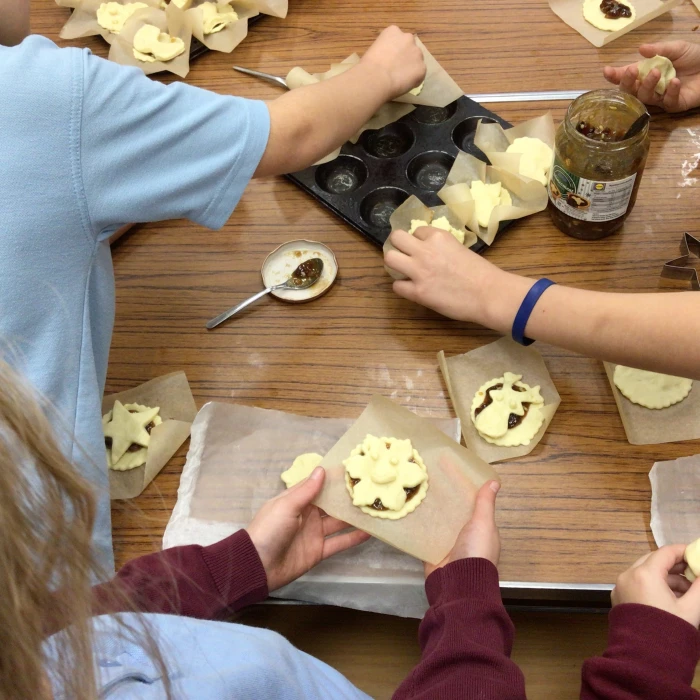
x: 305, y: 276
x: 637, y: 125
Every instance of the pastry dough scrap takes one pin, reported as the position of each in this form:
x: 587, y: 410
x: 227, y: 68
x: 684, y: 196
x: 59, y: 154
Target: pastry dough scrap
x: 378, y: 473
x: 442, y: 223
x: 302, y: 467
x: 151, y: 45
x: 593, y: 14
x: 487, y: 198
x: 216, y: 17
x: 692, y: 559
x: 664, y: 66
x: 651, y: 389
x: 535, y: 157
x: 126, y: 425
x: 511, y: 401
x: 113, y: 15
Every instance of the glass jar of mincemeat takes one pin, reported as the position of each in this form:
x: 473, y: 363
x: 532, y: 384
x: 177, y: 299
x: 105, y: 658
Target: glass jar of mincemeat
x: 596, y: 172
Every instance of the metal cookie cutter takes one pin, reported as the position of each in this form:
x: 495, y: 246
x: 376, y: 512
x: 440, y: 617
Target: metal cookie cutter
x: 678, y: 269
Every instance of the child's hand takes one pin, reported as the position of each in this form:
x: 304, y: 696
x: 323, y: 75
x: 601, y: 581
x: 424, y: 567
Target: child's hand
x: 683, y: 91
x: 479, y: 537
x: 292, y: 536
x: 397, y: 56
x: 442, y: 274
x: 656, y: 580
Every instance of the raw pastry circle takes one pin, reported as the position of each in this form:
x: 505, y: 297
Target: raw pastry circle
x: 595, y: 16
x: 492, y: 422
x: 651, y: 389
x: 302, y: 467
x: 383, y: 468
x: 692, y: 559
x: 664, y: 66
x: 126, y: 426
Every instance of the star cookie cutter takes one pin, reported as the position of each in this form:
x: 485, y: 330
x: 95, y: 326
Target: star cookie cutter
x: 678, y: 268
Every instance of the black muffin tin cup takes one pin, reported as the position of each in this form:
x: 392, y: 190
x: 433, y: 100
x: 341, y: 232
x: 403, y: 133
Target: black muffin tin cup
x: 414, y: 155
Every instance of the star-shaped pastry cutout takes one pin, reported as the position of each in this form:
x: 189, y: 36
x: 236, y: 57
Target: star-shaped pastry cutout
x: 127, y: 429
x: 686, y: 266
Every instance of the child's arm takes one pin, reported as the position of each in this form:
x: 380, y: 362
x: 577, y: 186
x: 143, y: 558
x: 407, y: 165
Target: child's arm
x: 466, y: 636
x: 657, y: 332
x: 308, y: 123
x: 208, y: 582
x: 653, y: 642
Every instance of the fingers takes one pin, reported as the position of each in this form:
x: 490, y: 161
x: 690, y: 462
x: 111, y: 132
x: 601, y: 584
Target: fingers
x: 404, y: 242
x: 400, y: 263
x: 678, y: 584
x: 665, y: 558
x: 339, y: 543
x: 673, y: 50
x: 672, y: 97
x: 302, y: 494
x: 628, y: 79
x: 405, y: 289
x: 613, y: 75
x: 425, y: 232
x: 485, y: 506
x: 647, y: 88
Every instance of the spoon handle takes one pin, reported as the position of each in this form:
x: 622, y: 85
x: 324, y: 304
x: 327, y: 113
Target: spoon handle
x: 234, y: 310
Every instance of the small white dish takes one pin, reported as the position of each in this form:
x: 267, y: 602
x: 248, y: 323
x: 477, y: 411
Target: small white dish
x: 282, y: 261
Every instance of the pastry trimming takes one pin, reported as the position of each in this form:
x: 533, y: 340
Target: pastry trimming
x: 386, y: 477
x: 127, y: 430
x: 507, y: 412
x: 651, y: 389
x: 302, y: 467
x: 487, y: 198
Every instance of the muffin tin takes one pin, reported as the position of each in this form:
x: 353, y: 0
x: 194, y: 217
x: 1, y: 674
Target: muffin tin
x: 414, y: 155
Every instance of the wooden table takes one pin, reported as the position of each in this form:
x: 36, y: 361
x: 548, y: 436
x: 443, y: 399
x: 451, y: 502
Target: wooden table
x: 576, y: 509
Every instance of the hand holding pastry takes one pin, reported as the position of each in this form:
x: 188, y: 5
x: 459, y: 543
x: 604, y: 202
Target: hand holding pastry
x: 396, y: 55
x: 682, y: 92
x: 442, y: 274
x: 479, y: 537
x: 655, y: 579
x: 292, y: 536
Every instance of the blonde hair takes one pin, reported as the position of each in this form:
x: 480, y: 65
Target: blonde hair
x: 47, y: 512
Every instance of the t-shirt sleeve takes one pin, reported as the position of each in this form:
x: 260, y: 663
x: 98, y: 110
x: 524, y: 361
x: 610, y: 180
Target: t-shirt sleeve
x: 152, y: 152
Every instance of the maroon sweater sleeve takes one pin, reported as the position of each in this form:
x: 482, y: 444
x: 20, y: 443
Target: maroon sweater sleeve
x: 466, y: 638
x: 651, y: 655
x: 194, y: 581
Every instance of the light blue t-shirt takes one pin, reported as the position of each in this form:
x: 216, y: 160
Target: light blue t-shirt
x: 208, y: 661
x: 87, y: 146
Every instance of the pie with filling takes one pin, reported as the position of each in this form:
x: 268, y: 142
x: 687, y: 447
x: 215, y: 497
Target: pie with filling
x: 386, y: 477
x: 507, y: 412
x: 127, y: 430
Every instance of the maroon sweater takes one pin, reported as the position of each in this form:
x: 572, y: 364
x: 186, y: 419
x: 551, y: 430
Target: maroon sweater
x: 466, y: 636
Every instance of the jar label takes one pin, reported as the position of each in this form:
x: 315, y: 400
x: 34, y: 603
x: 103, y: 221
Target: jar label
x: 589, y: 200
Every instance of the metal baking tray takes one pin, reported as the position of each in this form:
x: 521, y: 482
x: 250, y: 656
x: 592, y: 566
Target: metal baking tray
x: 370, y: 179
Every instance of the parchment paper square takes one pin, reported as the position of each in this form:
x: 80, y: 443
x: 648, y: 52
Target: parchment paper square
x: 649, y: 426
x: 465, y: 374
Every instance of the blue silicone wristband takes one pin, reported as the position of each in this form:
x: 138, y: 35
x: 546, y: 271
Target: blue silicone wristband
x: 523, y: 315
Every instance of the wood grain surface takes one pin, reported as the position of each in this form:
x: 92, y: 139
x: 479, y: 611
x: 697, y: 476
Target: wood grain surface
x: 577, y: 508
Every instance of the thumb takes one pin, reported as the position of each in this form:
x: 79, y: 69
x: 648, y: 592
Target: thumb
x: 672, y: 50
x: 485, y: 506
x: 301, y: 495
